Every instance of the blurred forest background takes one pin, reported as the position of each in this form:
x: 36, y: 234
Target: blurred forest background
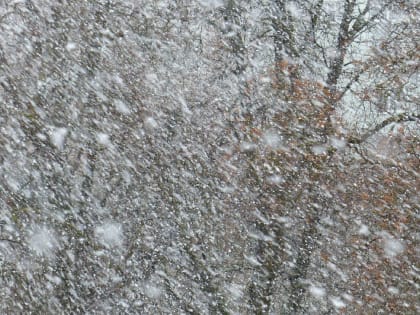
x: 209, y: 157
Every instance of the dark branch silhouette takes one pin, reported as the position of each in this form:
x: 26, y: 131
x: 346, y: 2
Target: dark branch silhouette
x: 404, y: 117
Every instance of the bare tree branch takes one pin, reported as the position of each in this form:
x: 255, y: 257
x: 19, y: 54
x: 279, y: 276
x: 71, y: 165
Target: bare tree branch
x: 404, y: 117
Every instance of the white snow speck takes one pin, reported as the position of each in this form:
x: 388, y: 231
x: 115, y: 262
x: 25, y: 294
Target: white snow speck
x: 393, y: 247
x: 272, y: 139
x: 338, y: 143
x: 317, y: 292
x: 103, y: 138
x: 282, y: 219
x: 261, y: 217
x: 276, y: 179
x: 118, y: 80
x: 347, y: 297
x: 42, y: 241
x: 110, y: 234
x: 235, y: 290
x: 184, y: 106
x: 12, y: 183
x: 53, y: 279
x: 319, y: 149
x: 337, y: 302
x: 247, y: 146
x: 71, y: 46
x: 363, y: 230
x: 152, y: 77
x: 150, y: 123
x: 152, y: 292
x: 253, y: 260
x: 211, y: 4
x: 294, y: 10
x: 317, y: 103
x: 57, y: 137
x: 121, y: 107
x: 41, y: 136
x: 227, y: 189
x: 393, y: 290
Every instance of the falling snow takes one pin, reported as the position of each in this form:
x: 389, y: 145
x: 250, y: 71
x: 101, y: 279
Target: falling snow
x: 209, y: 157
x: 42, y: 241
x: 110, y: 234
x: 58, y: 135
